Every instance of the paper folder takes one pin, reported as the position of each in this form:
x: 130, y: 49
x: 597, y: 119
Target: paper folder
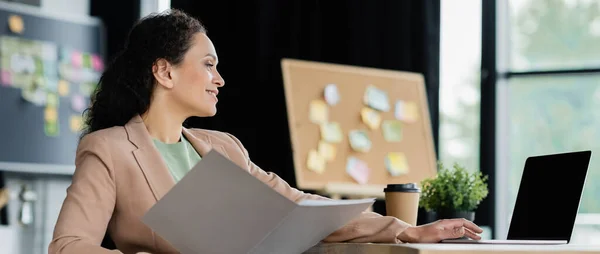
x: 218, y: 207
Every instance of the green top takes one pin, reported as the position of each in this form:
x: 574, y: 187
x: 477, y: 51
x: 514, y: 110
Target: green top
x: 180, y: 157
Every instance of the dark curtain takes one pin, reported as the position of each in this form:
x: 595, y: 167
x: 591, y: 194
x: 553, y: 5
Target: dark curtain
x: 251, y: 37
x: 118, y: 18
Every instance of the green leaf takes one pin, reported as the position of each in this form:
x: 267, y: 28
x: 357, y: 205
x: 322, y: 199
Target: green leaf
x: 453, y: 189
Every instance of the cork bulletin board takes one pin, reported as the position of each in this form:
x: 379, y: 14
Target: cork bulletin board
x: 356, y: 127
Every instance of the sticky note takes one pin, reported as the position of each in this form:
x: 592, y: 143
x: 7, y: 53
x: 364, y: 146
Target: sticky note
x: 331, y: 132
x: 50, y: 114
x: 78, y: 103
x: 396, y: 164
x: 358, y: 170
x: 75, y: 123
x: 15, y: 24
x: 327, y: 151
x: 315, y: 161
x: 97, y: 63
x: 6, y: 77
x: 392, y: 130
x: 318, y: 112
x: 359, y: 141
x: 371, y: 118
x: 332, y: 94
x: 63, y: 87
x: 76, y: 59
x: 376, y: 99
x: 52, y: 100
x: 406, y: 111
x: 51, y: 129
x: 86, y: 60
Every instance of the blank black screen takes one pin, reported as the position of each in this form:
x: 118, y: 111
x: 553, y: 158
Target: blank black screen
x: 549, y: 196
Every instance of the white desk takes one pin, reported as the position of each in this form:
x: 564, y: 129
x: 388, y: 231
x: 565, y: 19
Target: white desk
x: 351, y: 248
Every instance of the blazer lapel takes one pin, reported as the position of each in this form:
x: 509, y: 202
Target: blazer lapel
x: 150, y: 160
x: 202, y: 143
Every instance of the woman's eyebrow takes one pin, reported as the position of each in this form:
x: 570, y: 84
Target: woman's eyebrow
x: 213, y: 56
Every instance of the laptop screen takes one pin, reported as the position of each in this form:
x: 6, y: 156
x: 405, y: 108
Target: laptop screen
x: 549, y: 196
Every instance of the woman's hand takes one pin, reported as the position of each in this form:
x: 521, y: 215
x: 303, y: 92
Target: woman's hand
x: 441, y: 230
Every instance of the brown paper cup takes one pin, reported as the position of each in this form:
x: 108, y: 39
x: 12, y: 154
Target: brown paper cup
x: 402, y: 202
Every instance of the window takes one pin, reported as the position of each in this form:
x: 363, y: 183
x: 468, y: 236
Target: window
x: 548, y: 95
x: 460, y: 59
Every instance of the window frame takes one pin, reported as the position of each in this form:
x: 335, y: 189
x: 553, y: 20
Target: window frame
x: 494, y: 89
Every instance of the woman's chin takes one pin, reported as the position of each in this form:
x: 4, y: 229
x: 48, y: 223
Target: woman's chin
x: 207, y: 112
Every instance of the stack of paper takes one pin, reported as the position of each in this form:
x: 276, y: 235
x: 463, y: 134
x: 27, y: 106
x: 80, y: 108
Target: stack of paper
x: 219, y: 207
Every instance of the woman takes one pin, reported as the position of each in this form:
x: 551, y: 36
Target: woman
x: 135, y: 148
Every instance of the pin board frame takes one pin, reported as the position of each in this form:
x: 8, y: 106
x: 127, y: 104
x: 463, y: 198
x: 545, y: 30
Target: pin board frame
x: 305, y: 81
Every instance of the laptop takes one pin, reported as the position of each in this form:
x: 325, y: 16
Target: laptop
x: 547, y: 202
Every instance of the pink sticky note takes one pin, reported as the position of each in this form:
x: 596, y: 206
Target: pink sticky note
x: 97, y: 63
x: 78, y: 102
x: 76, y: 59
x: 358, y: 170
x: 6, y: 77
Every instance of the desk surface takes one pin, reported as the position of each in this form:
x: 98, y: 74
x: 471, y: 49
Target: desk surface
x: 351, y: 248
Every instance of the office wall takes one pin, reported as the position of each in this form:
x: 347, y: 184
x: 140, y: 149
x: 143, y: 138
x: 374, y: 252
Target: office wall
x: 66, y: 7
x: 50, y: 189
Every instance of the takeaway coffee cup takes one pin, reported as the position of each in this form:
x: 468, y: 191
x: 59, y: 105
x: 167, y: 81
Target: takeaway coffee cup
x: 402, y: 201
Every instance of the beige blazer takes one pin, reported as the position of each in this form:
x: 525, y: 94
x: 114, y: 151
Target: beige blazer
x: 119, y: 175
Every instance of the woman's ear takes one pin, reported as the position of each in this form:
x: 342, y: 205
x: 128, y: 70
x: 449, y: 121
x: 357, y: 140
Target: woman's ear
x: 161, y: 69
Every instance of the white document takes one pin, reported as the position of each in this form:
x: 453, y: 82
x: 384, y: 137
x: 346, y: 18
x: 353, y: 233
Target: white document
x: 219, y: 207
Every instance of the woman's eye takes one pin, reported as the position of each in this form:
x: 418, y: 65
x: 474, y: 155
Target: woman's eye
x: 209, y: 65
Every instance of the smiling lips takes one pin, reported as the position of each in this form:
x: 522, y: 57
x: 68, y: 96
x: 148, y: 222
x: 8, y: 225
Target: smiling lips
x: 213, y: 93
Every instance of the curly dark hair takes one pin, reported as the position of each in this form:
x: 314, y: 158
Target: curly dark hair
x: 126, y: 86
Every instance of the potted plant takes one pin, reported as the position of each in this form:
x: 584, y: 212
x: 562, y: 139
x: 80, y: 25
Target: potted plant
x: 452, y: 193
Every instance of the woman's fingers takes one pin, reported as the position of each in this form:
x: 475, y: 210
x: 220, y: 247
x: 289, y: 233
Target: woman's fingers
x: 471, y: 226
x: 467, y: 224
x: 472, y: 235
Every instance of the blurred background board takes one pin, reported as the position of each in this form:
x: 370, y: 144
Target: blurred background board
x: 49, y: 66
x: 399, y: 147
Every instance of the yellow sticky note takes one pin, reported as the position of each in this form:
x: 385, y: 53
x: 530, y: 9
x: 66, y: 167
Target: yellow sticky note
x: 371, y: 118
x: 406, y: 111
x: 327, y: 151
x: 331, y: 132
x: 63, y: 87
x: 76, y: 123
x: 50, y: 114
x: 318, y: 112
x: 15, y: 24
x: 396, y: 164
x: 316, y: 162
